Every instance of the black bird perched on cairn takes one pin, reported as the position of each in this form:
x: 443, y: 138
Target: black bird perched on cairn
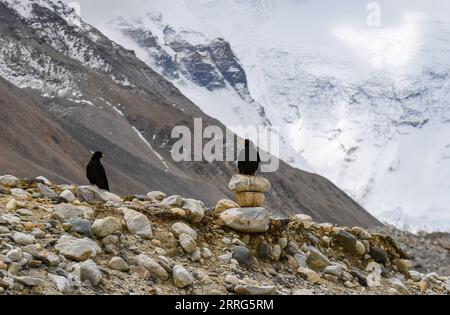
x: 248, y: 160
x: 95, y: 172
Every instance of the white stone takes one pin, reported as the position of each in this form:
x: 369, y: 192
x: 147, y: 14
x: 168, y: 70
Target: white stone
x: 242, y: 183
x: 187, y: 243
x: 157, y: 195
x: 138, y: 223
x: 90, y: 271
x: 360, y: 249
x: 68, y: 195
x: 172, y: 201
x: 66, y: 212
x: 23, y: 239
x: 247, y: 220
x: 94, y: 194
x: 20, y: 194
x: 195, y: 209
x: 62, y: 283
x: 10, y: 181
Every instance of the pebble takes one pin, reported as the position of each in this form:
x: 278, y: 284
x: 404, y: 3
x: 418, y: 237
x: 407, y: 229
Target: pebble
x: 309, y: 275
x: 15, y: 254
x: 90, y: 271
x: 225, y: 258
x: 138, y: 224
x: 243, y: 256
x: 195, y: 209
x: 379, y: 255
x: 11, y: 205
x: 29, y: 281
x: 68, y: 196
x: 81, y: 226
x: 231, y: 279
x: 415, y: 275
x: 77, y: 249
x: 152, y: 266
x: 334, y: 270
x: 38, y: 233
x: 316, y: 259
x: 172, y: 201
x: 20, y: 194
x: 360, y: 249
x: 182, y: 228
x: 156, y: 195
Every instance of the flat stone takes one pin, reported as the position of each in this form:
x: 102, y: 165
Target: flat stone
x: 138, y: 223
x: 24, y: 212
x: 242, y: 183
x: 247, y: 220
x: 65, y: 212
x: 77, y: 249
x: 94, y: 194
x: 29, y: 281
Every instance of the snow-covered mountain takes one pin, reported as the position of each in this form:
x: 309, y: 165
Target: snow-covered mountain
x: 365, y: 106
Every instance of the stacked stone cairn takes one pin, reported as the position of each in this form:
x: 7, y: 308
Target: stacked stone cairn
x: 250, y: 216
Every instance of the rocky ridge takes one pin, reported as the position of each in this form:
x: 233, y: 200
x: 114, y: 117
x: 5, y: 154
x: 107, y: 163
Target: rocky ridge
x: 54, y: 243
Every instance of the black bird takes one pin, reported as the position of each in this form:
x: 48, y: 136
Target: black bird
x: 248, y: 160
x: 95, y: 172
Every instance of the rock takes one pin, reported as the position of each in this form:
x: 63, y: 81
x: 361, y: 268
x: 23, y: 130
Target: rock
x: 106, y: 226
x: 20, y: 194
x: 66, y: 212
x: 46, y: 191
x: 138, y: 224
x: 29, y: 281
x: 181, y: 277
x: 187, y: 243
x: 15, y: 254
x: 10, y: 181
x: 172, y: 201
x: 110, y: 239
x: 49, y: 258
x: 316, y: 259
x: 94, y: 194
x: 300, y: 259
x: 242, y: 183
x: 226, y: 258
x: 243, y: 256
x: 206, y: 253
x: 250, y: 199
x: 276, y: 252
x: 38, y: 233
x: 152, y: 266
x: 283, y: 242
x: 68, y: 196
x: 447, y: 285
x: 90, y: 271
x: 361, y: 233
x: 264, y: 251
x: 11, y: 205
x: 398, y: 284
x: 10, y: 219
x: 62, y: 283
x: 156, y: 195
x: 254, y: 290
x: 301, y: 218
x: 225, y: 204
x: 346, y: 240
x: 4, y: 230
x: 117, y: 263
x: 195, y: 209
x: 81, y: 226
x: 43, y: 180
x: 24, y: 212
x: 303, y: 292
x: 196, y: 256
x: 23, y: 239
x: 182, y: 228
x: 415, y: 275
x: 248, y: 220
x: 178, y: 212
x: 334, y: 270
x: 309, y: 275
x: 360, y: 249
x: 230, y: 279
x: 379, y: 255
x: 403, y: 265
x: 77, y: 249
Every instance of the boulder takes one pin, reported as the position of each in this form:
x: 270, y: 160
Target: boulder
x: 181, y: 277
x: 195, y: 209
x: 182, y: 228
x: 242, y: 183
x: 138, y: 223
x: 248, y: 220
x: 77, y: 249
x: 225, y: 204
x: 65, y: 212
x: 106, y: 226
x: 250, y: 199
x: 95, y: 194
